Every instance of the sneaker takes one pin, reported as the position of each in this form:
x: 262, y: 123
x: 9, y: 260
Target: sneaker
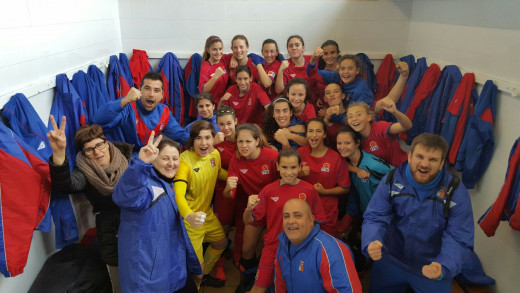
x: 211, y: 281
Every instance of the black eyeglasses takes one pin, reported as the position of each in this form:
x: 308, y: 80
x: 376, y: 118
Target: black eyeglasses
x: 99, y: 146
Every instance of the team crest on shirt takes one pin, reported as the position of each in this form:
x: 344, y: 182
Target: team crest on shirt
x: 275, y: 198
x: 235, y: 103
x: 212, y: 162
x: 442, y: 192
x: 265, y: 170
x: 249, y: 102
x: 325, y: 167
x: 300, y: 267
x: 271, y: 74
x: 243, y: 171
x: 373, y: 146
x: 293, y: 75
x: 302, y: 196
x: 161, y: 127
x: 221, y: 149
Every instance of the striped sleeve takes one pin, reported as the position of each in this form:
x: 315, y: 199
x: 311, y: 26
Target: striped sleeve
x: 337, y: 269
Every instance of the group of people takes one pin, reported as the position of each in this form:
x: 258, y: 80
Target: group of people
x: 290, y: 147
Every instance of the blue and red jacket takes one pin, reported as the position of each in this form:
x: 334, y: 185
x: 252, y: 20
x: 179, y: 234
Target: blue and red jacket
x: 89, y: 93
x: 457, y: 113
x: 25, y: 122
x: 139, y: 66
x: 321, y: 263
x: 368, y: 71
x: 506, y: 206
x: 24, y: 176
x: 133, y: 124
x: 191, y: 82
x: 411, y: 84
x: 442, y: 96
x: 479, y: 141
x: 99, y: 80
x: 418, y: 110
x: 386, y: 77
x: 125, y: 66
x: 117, y: 83
x: 173, y: 80
x: 410, y: 60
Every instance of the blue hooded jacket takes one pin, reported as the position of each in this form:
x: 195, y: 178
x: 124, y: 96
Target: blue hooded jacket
x: 89, y: 93
x: 173, y: 79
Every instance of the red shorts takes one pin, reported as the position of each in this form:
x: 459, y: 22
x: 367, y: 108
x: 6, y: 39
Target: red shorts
x: 265, y: 275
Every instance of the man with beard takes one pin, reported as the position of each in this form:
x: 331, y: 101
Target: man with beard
x: 131, y: 119
x: 419, y: 223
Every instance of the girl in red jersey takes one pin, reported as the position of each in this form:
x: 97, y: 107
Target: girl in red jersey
x: 334, y: 112
x: 295, y: 66
x: 300, y: 98
x: 271, y: 66
x: 379, y: 137
x: 326, y: 170
x: 329, y: 59
x: 240, y: 48
x: 213, y: 70
x: 281, y: 128
x: 268, y: 206
x: 253, y: 167
x: 246, y: 97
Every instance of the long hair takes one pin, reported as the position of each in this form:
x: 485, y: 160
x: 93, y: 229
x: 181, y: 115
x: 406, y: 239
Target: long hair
x: 269, y: 124
x: 271, y: 41
x: 210, y: 41
x: 256, y: 132
x: 321, y: 63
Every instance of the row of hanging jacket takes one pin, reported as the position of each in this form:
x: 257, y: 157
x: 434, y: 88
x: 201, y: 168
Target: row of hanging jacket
x: 446, y: 103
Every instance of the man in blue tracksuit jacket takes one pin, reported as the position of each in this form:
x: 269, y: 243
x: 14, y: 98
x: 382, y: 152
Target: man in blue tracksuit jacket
x: 131, y: 119
x: 310, y: 260
x: 414, y: 237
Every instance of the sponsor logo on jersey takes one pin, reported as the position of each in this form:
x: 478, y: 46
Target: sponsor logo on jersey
x: 212, y: 162
x: 302, y: 196
x: 41, y: 146
x: 373, y: 146
x: 292, y: 75
x: 243, y: 171
x: 275, y: 198
x: 325, y: 167
x: 220, y: 149
x: 235, y: 103
x: 196, y: 169
x: 265, y: 169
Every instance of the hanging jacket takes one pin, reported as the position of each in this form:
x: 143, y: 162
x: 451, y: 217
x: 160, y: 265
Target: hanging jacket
x: 410, y: 60
x: 117, y: 84
x: 67, y: 103
x: 411, y: 84
x: 89, y: 93
x: 139, y: 66
x: 99, y: 79
x: 505, y: 207
x: 418, y: 110
x: 442, y: 95
x: 125, y: 66
x: 386, y: 77
x: 155, y: 252
x: 457, y: 113
x: 173, y: 80
x: 368, y: 71
x: 479, y: 141
x: 24, y: 176
x: 191, y: 79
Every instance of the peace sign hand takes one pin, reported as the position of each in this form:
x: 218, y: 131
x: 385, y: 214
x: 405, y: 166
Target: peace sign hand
x: 150, y: 152
x: 58, y: 140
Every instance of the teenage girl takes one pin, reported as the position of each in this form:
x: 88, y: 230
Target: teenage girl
x: 246, y: 97
x: 379, y: 137
x: 281, y: 128
x: 329, y: 59
x: 295, y: 66
x: 264, y: 207
x: 252, y: 168
x: 334, y: 113
x: 213, y: 70
x: 206, y: 107
x: 194, y: 186
x: 300, y: 98
x: 240, y: 48
x: 349, y: 147
x: 271, y: 66
x: 326, y: 170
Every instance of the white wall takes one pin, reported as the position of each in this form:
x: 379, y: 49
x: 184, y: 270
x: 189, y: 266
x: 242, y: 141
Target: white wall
x: 39, y: 39
x: 183, y: 26
x: 481, y: 36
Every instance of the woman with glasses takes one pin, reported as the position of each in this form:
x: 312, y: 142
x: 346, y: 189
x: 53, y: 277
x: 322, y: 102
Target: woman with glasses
x: 100, y: 164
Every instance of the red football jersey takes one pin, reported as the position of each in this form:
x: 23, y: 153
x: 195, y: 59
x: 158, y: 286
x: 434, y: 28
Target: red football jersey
x: 308, y: 113
x: 272, y: 199
x: 294, y: 72
x: 254, y: 72
x: 249, y: 108
x: 207, y: 71
x: 380, y: 144
x: 272, y: 71
x: 227, y: 151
